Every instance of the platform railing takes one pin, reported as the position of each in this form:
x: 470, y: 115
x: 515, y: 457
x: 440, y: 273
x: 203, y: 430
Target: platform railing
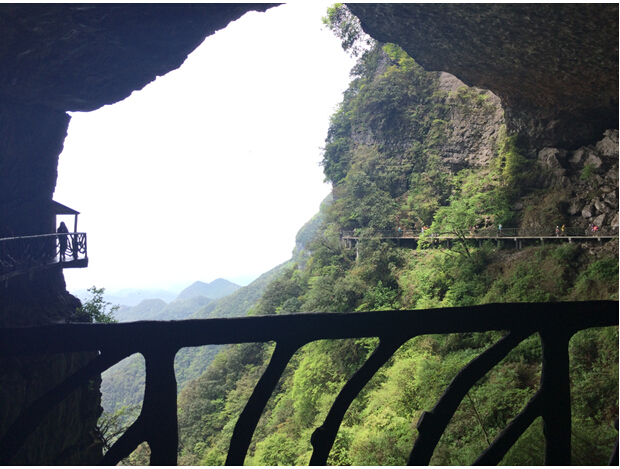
x: 24, y: 253
x: 159, y: 341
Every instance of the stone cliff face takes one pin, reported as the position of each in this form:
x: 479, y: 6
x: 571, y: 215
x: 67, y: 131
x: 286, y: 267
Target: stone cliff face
x: 475, y: 118
x: 582, y: 184
x: 555, y: 66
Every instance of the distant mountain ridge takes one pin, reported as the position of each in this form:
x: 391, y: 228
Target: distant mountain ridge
x: 123, y: 383
x: 129, y: 296
x: 216, y: 289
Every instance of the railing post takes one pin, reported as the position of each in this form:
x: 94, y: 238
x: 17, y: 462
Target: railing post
x: 159, y: 409
x: 74, y: 245
x: 556, y: 411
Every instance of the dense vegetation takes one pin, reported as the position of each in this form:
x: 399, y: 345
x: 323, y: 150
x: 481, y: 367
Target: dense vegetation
x: 384, y: 154
x: 380, y: 426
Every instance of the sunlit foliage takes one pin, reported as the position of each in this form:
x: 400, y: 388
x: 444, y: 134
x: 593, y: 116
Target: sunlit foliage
x: 382, y: 155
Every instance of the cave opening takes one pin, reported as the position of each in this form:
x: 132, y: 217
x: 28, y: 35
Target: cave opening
x: 195, y: 171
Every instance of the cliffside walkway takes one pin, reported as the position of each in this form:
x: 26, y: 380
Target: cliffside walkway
x: 517, y: 235
x: 159, y: 341
x: 25, y: 254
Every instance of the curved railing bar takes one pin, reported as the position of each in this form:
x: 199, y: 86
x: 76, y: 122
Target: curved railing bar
x: 555, y: 321
x: 324, y: 436
x: 498, y: 448
x: 126, y: 444
x: 246, y: 424
x: 552, y: 402
x: 157, y: 422
x: 34, y: 414
x: 431, y: 425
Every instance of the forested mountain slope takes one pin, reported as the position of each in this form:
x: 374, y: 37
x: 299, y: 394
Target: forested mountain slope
x: 123, y: 384
x: 141, y: 312
x: 408, y: 148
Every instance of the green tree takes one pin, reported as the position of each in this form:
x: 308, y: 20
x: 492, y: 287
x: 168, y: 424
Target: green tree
x: 348, y: 29
x: 95, y: 309
x: 111, y: 426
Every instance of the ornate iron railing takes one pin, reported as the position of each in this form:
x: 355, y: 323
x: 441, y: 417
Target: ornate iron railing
x: 24, y: 253
x: 546, y: 232
x: 158, y: 342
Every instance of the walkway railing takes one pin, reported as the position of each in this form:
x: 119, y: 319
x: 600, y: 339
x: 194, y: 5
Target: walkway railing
x: 25, y: 253
x: 573, y: 231
x: 158, y: 342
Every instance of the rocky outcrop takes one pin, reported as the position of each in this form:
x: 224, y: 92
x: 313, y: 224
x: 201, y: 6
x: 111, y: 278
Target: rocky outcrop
x: 583, y: 181
x: 555, y: 66
x: 474, y: 120
x: 72, y: 57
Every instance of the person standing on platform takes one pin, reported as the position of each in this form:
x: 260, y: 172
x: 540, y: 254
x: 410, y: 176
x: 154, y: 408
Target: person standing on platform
x: 62, y: 240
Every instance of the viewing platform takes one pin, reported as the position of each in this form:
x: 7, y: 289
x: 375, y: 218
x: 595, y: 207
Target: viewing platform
x: 25, y: 254
x: 517, y: 235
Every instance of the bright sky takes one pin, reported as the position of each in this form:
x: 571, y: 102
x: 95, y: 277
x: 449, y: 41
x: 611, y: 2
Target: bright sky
x: 211, y: 170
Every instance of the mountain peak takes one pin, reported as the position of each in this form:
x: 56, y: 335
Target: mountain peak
x: 217, y: 289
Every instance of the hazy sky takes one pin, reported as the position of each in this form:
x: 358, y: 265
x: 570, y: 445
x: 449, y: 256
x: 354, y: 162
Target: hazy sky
x: 211, y: 170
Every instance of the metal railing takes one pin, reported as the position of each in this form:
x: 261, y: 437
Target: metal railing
x: 21, y: 254
x: 493, y: 232
x: 159, y: 341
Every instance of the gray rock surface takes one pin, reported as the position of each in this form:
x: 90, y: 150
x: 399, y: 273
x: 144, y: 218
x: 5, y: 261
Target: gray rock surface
x: 554, y: 66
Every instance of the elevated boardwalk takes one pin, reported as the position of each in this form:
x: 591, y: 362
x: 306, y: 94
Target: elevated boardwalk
x: 25, y: 254
x: 519, y: 236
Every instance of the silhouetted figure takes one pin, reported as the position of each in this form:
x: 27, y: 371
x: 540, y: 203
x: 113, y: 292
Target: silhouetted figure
x: 62, y: 240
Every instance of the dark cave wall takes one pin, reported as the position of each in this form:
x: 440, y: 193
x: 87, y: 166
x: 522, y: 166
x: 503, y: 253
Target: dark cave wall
x: 73, y: 57
x: 66, y: 435
x: 32, y: 139
x: 56, y: 58
x: 70, y: 57
x: 555, y: 66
